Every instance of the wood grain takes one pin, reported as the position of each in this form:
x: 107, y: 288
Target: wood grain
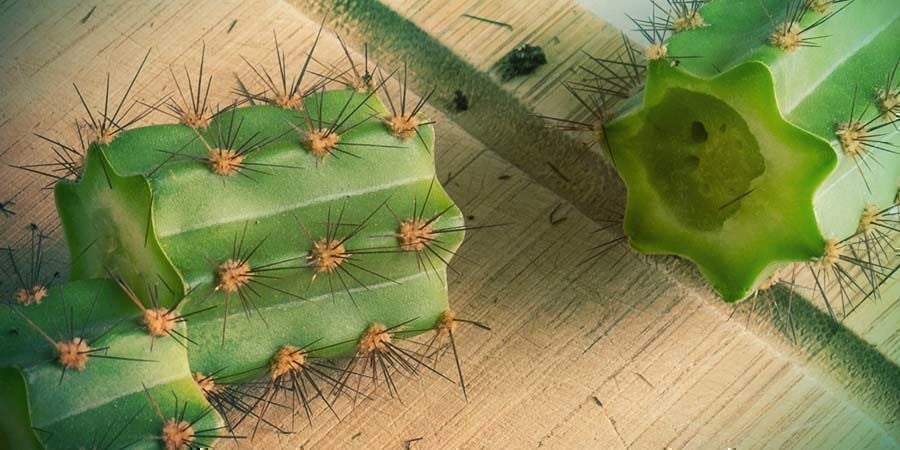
x: 611, y: 354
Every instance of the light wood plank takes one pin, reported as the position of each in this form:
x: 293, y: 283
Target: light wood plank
x: 668, y: 366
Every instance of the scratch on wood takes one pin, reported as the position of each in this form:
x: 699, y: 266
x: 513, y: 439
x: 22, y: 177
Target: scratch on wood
x: 452, y: 176
x: 645, y: 380
x: 557, y: 171
x: 556, y: 220
x: 231, y: 27
x: 593, y: 343
x: 407, y: 444
x: 492, y: 22
x: 9, y: 147
x: 610, y: 420
x: 88, y: 15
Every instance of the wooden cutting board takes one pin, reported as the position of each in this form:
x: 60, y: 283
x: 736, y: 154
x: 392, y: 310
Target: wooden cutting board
x: 623, y: 351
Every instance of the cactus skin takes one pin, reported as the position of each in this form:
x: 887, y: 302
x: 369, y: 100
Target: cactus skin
x: 194, y: 221
x: 75, y: 410
x: 733, y: 60
x: 15, y: 423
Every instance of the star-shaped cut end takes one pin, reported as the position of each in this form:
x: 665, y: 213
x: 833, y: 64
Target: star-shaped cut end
x: 715, y: 174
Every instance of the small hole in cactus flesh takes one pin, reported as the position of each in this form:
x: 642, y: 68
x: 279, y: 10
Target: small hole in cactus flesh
x: 698, y: 132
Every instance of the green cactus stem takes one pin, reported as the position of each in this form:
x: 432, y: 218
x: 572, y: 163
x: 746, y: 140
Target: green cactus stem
x: 748, y: 150
x: 252, y: 244
x: 704, y: 165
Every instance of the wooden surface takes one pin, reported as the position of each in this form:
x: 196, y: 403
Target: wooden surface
x: 617, y: 353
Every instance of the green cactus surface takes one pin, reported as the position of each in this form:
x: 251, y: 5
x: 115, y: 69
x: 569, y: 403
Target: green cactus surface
x: 257, y: 243
x: 763, y: 136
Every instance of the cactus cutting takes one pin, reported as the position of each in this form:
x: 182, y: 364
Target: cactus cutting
x: 450, y: 224
x: 736, y: 160
x: 259, y: 241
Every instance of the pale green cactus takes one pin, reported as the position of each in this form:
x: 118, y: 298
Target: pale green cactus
x: 256, y: 243
x: 747, y: 148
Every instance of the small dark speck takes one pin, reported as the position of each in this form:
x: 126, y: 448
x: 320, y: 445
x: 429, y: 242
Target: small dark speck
x: 356, y: 436
x: 460, y: 101
x: 88, y: 15
x: 13, y: 332
x: 521, y: 61
x: 504, y: 177
x: 597, y: 401
x: 231, y: 27
x: 471, y: 217
x: 698, y: 132
x: 5, y: 208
